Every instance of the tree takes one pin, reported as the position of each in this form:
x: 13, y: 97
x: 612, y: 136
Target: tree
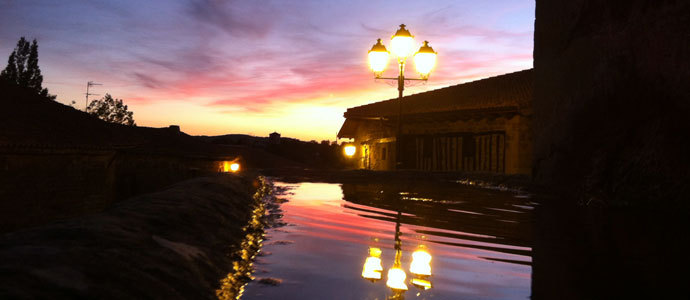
x: 22, y: 68
x: 111, y: 110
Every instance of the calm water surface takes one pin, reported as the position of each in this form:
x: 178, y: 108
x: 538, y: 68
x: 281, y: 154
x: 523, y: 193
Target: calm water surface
x: 480, y: 242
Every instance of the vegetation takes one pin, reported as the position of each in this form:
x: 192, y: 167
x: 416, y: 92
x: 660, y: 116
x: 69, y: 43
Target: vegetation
x: 22, y: 68
x: 111, y: 110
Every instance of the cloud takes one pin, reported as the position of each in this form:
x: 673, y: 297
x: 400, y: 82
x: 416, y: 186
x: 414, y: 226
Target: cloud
x: 148, y: 81
x: 234, y: 17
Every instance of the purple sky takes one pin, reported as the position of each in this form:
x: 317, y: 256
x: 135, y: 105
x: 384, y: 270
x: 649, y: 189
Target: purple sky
x: 217, y: 67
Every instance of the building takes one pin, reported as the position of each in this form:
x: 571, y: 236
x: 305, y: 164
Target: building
x: 274, y: 138
x: 479, y: 126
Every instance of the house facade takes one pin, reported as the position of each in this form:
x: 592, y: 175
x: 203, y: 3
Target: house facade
x: 479, y: 126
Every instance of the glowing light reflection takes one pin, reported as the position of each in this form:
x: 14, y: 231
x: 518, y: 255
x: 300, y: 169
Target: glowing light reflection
x: 396, y: 279
x: 372, y: 266
x: 421, y: 263
x: 421, y: 283
x: 233, y: 285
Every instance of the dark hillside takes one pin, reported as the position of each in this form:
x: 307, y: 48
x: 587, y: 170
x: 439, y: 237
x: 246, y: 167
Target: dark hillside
x: 58, y: 162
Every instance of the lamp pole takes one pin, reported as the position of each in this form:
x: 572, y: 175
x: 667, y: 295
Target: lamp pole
x: 398, y: 133
x: 402, y: 45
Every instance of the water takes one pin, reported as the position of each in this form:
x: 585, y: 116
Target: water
x: 480, y: 242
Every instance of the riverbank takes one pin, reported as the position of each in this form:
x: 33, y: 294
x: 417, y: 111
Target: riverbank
x: 172, y: 244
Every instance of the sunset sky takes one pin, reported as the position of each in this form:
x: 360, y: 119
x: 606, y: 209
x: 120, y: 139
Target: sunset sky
x: 217, y: 67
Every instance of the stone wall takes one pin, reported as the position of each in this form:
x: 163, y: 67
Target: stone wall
x: 514, y: 131
x: 612, y: 83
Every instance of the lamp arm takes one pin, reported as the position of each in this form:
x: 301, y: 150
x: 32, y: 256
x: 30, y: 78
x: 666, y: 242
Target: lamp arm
x: 396, y: 78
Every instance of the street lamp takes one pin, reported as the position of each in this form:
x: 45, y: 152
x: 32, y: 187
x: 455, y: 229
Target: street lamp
x: 378, y: 58
x: 230, y: 166
x: 350, y: 150
x: 402, y: 46
x: 425, y: 60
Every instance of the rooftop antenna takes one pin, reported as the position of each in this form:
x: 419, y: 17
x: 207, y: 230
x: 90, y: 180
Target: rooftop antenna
x: 88, y: 86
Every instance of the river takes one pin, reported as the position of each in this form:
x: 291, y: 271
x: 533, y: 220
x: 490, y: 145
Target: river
x: 341, y: 241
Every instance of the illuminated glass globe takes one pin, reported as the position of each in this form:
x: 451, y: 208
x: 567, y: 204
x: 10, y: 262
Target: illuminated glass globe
x: 402, y: 43
x: 425, y: 60
x: 396, y: 279
x: 421, y: 263
x: 229, y: 166
x: 350, y: 150
x: 372, y: 266
x: 378, y: 58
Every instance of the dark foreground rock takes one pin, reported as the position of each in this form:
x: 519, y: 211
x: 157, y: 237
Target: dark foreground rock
x: 171, y: 244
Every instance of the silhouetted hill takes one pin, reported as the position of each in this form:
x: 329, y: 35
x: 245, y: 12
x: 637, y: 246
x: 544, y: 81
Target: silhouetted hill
x: 235, y: 139
x: 29, y: 120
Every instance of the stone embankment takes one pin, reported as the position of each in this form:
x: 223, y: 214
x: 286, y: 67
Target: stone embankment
x: 172, y: 244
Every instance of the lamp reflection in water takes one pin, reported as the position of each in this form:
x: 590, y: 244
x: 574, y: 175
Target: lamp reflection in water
x: 372, y: 266
x: 421, y: 263
x: 420, y: 267
x: 396, y: 275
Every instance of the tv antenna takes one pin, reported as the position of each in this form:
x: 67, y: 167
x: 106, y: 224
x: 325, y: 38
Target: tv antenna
x: 88, y: 86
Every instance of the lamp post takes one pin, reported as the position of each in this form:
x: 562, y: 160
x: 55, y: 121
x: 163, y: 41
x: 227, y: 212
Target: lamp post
x: 402, y: 46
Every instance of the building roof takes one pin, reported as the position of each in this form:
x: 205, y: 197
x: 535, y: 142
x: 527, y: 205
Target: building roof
x: 507, y: 90
x: 349, y: 129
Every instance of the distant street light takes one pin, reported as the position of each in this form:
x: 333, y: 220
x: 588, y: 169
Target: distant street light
x: 402, y: 45
x: 350, y: 150
x: 230, y: 166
